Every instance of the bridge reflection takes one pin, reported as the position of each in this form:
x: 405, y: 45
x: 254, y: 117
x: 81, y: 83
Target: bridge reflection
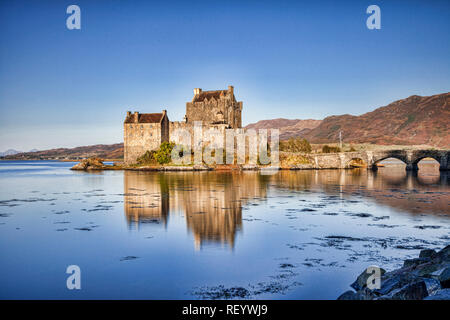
x: 211, y: 203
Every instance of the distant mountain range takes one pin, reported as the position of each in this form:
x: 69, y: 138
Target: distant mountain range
x: 111, y: 151
x: 412, y: 121
x: 9, y: 152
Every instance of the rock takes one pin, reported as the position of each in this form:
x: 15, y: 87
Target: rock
x: 444, y: 254
x: 361, y: 281
x: 426, y: 269
x: 427, y: 253
x: 417, y: 290
x: 414, y: 262
x: 364, y: 294
x: 348, y: 295
x: 201, y: 167
x: 443, y: 276
x: 393, y: 281
x: 426, y: 277
x: 443, y: 294
x: 89, y: 164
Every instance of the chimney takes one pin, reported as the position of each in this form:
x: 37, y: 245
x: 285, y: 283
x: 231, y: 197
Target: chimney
x: 136, y: 117
x: 128, y: 114
x: 230, y: 89
x: 197, y: 91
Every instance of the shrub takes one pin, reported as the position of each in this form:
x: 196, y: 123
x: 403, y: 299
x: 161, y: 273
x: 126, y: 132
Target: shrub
x: 162, y: 155
x: 147, y: 158
x: 330, y: 149
x: 295, y: 145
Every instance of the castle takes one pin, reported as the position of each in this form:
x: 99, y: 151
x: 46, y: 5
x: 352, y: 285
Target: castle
x: 146, y: 131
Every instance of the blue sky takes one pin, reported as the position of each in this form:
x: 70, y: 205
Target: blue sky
x: 290, y: 59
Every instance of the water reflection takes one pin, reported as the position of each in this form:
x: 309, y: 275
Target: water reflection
x: 212, y: 202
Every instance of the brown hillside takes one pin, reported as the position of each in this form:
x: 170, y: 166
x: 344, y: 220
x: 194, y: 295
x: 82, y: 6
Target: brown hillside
x: 411, y: 121
x: 288, y: 128
x: 104, y: 151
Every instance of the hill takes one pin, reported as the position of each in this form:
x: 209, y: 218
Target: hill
x: 412, y: 121
x: 288, y: 128
x: 111, y: 151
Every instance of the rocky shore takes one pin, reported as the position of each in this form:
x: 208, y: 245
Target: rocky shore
x: 424, y: 278
x: 94, y: 164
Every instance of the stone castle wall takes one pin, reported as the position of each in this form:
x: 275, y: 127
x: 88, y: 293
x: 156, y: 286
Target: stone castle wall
x: 140, y: 137
x: 215, y: 109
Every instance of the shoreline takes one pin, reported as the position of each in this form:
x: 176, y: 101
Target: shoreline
x: 424, y: 278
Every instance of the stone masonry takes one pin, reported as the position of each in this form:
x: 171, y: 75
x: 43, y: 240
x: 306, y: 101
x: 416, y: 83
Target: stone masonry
x: 217, y: 109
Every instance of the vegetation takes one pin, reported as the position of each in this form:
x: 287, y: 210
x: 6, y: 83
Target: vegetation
x: 147, y: 158
x: 330, y: 149
x: 288, y: 159
x: 295, y: 145
x: 160, y: 156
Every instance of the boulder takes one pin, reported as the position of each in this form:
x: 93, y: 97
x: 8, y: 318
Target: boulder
x: 427, y: 253
x: 361, y: 281
x: 393, y: 281
x: 348, y: 295
x: 417, y: 290
x: 364, y: 294
x: 425, y: 277
x: 444, y: 254
x: 443, y: 294
x: 89, y: 164
x: 443, y: 276
x: 414, y: 262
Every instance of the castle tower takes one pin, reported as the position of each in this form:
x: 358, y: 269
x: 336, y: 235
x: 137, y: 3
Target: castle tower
x: 215, y: 107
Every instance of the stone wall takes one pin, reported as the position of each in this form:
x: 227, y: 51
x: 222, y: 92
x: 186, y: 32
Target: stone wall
x: 140, y: 137
x: 218, y: 108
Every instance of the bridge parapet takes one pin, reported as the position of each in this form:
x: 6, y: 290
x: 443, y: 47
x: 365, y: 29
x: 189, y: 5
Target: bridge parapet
x: 410, y: 157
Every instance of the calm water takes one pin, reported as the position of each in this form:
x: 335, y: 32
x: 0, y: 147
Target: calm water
x: 292, y: 235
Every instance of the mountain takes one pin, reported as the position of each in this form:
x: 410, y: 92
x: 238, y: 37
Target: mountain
x: 288, y: 128
x: 9, y: 152
x: 111, y: 151
x: 412, y: 121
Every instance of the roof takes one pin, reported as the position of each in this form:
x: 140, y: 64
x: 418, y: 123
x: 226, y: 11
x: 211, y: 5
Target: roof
x: 209, y: 94
x: 145, y: 118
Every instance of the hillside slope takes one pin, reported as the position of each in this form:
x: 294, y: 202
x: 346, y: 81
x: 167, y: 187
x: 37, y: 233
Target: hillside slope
x: 105, y: 151
x: 288, y: 128
x: 411, y: 121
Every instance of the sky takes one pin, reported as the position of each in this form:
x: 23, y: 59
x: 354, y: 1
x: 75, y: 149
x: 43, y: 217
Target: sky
x: 285, y: 59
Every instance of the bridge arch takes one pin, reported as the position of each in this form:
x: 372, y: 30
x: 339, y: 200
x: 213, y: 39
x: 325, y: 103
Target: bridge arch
x: 356, y: 161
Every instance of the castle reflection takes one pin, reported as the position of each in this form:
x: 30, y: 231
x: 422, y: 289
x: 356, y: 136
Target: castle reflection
x: 212, y: 202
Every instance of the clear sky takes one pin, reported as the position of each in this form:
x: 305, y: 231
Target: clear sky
x: 289, y: 59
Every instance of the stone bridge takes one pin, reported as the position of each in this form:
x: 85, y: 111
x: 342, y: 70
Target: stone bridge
x: 410, y: 157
